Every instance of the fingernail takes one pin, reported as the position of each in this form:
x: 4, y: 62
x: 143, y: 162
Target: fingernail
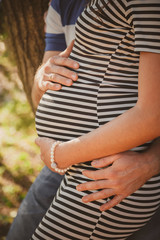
x: 69, y: 82
x: 57, y: 86
x: 94, y: 162
x: 102, y: 209
x: 84, y: 199
x: 74, y: 76
x: 76, y: 65
x: 78, y: 188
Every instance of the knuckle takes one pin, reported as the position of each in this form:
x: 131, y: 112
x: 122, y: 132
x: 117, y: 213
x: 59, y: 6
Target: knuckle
x: 116, y: 183
x: 46, y: 69
x: 112, y: 174
x: 104, y: 193
x: 52, y: 59
x: 47, y: 85
x: 103, y: 161
x: 97, y: 184
x: 54, y: 76
x: 41, y: 86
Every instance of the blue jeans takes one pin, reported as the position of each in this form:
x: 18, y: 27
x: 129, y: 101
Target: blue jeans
x: 38, y: 200
x: 35, y: 205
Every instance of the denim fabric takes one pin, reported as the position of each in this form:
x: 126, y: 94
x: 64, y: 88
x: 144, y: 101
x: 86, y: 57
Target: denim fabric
x: 38, y: 200
x: 35, y: 205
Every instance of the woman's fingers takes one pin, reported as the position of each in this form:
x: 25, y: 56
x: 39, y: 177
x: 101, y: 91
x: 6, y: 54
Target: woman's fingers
x: 42, y: 141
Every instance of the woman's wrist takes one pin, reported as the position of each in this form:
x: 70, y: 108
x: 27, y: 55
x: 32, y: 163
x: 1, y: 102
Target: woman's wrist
x: 53, y: 161
x: 68, y: 153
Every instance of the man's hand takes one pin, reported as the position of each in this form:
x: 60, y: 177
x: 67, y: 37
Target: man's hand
x: 54, y: 73
x: 120, y: 176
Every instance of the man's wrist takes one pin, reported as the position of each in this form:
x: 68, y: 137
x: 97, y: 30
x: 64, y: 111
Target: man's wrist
x: 153, y: 161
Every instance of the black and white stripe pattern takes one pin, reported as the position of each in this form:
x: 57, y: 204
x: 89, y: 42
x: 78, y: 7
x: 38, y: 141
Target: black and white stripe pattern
x: 108, y: 40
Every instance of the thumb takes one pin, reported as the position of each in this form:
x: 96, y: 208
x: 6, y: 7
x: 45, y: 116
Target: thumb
x: 67, y: 51
x: 38, y: 141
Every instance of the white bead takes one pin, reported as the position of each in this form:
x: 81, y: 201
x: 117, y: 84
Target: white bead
x: 53, y: 163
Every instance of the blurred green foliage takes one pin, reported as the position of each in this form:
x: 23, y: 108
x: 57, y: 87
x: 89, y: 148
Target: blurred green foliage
x: 19, y: 160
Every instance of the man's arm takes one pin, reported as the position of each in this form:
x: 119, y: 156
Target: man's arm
x: 127, y: 172
x: 55, y: 43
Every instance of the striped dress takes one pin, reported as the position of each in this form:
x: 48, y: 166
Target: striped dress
x: 109, y: 37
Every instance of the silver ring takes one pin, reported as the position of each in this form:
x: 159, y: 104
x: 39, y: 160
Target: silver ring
x: 51, y: 76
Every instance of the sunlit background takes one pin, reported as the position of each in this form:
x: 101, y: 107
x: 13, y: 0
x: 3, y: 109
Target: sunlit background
x: 19, y: 159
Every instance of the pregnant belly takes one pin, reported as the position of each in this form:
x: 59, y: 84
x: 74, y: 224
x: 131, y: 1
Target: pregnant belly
x: 74, y: 111
x: 68, y: 113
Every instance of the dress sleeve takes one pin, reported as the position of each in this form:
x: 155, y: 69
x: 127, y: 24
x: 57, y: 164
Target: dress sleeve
x: 54, y: 35
x: 145, y: 19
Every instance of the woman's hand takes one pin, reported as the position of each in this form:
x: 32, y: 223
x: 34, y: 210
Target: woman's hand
x: 122, y: 174
x: 45, y: 145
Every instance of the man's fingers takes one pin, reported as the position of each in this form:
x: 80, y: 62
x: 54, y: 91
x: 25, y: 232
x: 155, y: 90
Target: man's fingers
x: 62, y: 61
x: 111, y: 203
x: 46, y: 85
x: 60, y: 71
x: 98, y: 174
x: 94, y: 185
x: 68, y: 50
x: 98, y: 195
x: 104, y: 162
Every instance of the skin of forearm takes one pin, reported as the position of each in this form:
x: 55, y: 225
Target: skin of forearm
x: 123, y: 133
x: 36, y: 96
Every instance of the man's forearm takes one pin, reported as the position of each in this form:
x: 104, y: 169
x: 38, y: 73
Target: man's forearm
x: 152, y: 156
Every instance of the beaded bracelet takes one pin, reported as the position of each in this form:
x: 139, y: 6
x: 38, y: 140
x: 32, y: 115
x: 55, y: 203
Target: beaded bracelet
x: 53, y: 163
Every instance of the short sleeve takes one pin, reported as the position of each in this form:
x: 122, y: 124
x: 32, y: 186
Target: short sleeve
x: 54, y: 35
x: 145, y: 18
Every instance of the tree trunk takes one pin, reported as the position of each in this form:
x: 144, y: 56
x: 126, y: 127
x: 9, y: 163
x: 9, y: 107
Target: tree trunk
x: 24, y: 24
